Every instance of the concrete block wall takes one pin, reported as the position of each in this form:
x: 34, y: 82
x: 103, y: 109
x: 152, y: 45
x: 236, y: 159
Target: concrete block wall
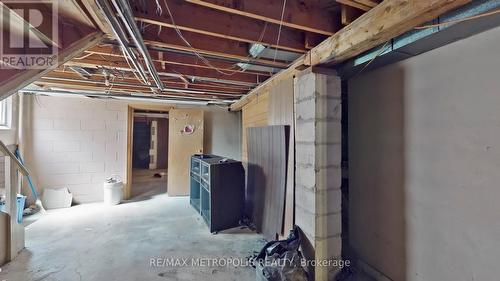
x: 77, y: 143
x: 318, y: 167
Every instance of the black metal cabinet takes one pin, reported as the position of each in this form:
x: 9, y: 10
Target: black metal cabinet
x: 217, y: 190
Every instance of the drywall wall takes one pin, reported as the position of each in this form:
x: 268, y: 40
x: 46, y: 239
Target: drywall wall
x: 78, y: 142
x: 424, y: 162
x: 222, y: 132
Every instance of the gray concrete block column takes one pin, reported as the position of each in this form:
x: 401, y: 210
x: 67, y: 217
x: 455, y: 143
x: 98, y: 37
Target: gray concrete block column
x: 318, y: 170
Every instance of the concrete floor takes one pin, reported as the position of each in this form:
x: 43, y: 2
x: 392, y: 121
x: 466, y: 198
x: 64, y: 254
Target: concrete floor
x: 97, y: 242
x: 143, y: 181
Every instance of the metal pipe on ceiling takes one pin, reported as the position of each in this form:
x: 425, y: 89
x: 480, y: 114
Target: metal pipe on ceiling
x: 220, y: 81
x: 134, y: 97
x: 171, y: 89
x: 121, y: 38
x: 125, y: 12
x: 141, y: 94
x: 209, y: 56
x: 183, y: 77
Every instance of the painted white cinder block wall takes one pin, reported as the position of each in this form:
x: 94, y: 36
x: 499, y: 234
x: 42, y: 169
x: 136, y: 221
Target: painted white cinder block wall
x: 77, y: 143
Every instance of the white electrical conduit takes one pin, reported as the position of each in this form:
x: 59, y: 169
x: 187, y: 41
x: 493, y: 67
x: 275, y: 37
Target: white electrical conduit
x: 125, y: 96
x: 127, y: 18
x: 177, y: 90
x: 140, y: 94
x: 120, y: 36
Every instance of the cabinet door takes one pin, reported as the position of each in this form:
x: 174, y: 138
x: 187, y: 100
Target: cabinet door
x: 185, y: 139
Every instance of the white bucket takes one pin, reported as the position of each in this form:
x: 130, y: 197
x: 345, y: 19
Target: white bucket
x: 113, y: 191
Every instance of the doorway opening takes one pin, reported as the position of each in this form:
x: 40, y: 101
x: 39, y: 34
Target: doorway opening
x: 149, y: 153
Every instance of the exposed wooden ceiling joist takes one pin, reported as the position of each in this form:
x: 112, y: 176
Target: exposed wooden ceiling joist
x: 72, y: 41
x: 364, y: 5
x: 101, y: 52
x: 202, y: 44
x: 215, y: 53
x: 90, y: 85
x: 382, y: 23
x: 129, y: 78
x: 95, y: 15
x: 348, y: 14
x: 199, y: 19
x: 303, y: 15
x: 125, y: 91
x: 174, y: 70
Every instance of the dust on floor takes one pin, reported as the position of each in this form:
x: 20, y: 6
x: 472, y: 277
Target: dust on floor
x: 97, y: 242
x: 144, y: 181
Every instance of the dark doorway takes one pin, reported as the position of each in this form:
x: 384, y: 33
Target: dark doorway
x: 149, y: 153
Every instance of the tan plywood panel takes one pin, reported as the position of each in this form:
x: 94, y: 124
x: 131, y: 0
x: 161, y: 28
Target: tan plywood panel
x: 185, y: 139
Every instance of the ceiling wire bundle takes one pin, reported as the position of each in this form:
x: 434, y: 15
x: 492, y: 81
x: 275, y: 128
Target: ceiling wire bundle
x: 202, y: 58
x: 226, y: 72
x: 279, y: 32
x: 123, y: 32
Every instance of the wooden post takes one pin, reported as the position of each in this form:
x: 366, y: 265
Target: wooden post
x: 15, y: 231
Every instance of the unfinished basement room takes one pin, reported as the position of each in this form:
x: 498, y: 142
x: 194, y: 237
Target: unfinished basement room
x: 249, y: 140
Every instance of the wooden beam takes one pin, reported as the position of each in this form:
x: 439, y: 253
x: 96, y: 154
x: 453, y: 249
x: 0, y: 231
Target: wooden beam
x: 125, y: 83
x: 348, y: 14
x: 229, y: 89
x: 355, y: 4
x: 369, y: 3
x: 199, y: 19
x: 120, y: 64
x: 164, y: 59
x: 82, y: 85
x: 95, y: 15
x: 15, y: 80
x: 387, y: 20
x: 298, y: 14
x: 384, y: 22
x: 203, y: 44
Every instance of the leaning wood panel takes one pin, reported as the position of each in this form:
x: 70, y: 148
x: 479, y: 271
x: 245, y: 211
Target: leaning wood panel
x: 182, y: 145
x: 281, y: 112
x: 266, y: 182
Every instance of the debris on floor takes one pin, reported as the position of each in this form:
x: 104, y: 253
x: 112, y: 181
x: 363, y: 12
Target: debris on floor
x: 281, y: 260
x: 32, y: 209
x: 57, y: 198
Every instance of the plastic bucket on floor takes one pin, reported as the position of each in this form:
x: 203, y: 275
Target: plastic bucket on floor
x: 113, y: 191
